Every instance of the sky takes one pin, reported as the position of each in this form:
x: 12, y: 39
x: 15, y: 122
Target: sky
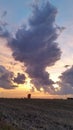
x: 36, y: 48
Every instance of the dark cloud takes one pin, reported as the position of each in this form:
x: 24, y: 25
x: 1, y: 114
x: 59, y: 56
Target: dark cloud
x: 66, y: 66
x: 66, y: 82
x: 20, y: 79
x: 6, y: 78
x: 36, y: 46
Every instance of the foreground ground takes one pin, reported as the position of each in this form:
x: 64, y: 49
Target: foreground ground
x: 5, y: 126
x: 36, y: 114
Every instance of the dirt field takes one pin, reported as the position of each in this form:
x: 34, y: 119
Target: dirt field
x: 37, y: 114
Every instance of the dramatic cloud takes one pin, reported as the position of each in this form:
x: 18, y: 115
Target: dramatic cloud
x: 36, y: 46
x: 66, y: 82
x: 20, y: 79
x: 6, y: 78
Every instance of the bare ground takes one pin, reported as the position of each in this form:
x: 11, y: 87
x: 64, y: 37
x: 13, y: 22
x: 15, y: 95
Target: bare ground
x: 37, y: 114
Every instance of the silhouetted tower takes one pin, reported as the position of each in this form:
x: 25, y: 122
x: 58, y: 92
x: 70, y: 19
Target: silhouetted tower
x: 29, y: 96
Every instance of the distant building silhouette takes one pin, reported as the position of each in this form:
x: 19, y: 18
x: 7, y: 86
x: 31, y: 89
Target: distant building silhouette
x: 29, y: 96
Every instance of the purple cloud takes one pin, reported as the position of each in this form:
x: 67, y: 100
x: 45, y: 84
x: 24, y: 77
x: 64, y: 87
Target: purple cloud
x: 36, y: 46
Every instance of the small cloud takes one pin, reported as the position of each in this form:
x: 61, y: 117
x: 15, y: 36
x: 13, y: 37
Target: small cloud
x: 6, y: 78
x: 3, y: 26
x: 4, y: 14
x: 20, y: 79
x: 66, y: 66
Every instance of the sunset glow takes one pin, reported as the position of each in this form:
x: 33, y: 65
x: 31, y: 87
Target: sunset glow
x: 34, y: 57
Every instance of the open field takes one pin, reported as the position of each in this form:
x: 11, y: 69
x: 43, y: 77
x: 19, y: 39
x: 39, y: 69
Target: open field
x: 6, y: 126
x: 37, y: 114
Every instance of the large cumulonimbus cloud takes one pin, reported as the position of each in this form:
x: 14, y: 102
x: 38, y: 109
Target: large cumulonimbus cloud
x: 66, y: 82
x: 36, y: 45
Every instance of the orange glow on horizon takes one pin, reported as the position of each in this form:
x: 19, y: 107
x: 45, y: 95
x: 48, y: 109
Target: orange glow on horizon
x: 22, y: 90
